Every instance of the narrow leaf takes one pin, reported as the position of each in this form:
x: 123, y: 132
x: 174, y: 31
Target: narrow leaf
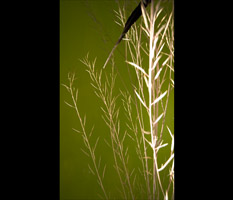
x: 146, y: 132
x: 157, y: 13
x: 84, y: 120
x: 69, y: 104
x: 165, y: 62
x: 127, y: 159
x: 138, y: 67
x: 85, y: 141
x: 104, y: 171
x: 149, y: 143
x: 94, y: 86
x: 91, y: 131
x: 130, y: 136
x: 172, y: 81
x: 144, y: 16
x: 157, y: 33
x: 157, y: 120
x: 159, y: 98
x: 126, y: 151
x: 170, y: 132
x: 134, y: 180
x: 76, y: 130
x: 96, y: 144
x: 76, y: 95
x: 129, y: 126
x: 118, y: 23
x: 107, y: 142
x: 160, y: 49
x: 161, y: 146
x: 172, y: 145
x: 166, y: 197
x: 148, y: 172
x: 85, y: 152
x: 132, y: 172
x: 140, y: 99
x: 163, y: 166
x: 148, y: 34
x: 146, y: 81
x: 99, y: 162
x: 156, y: 62
x: 123, y: 138
x: 167, y: 25
x: 106, y: 122
x: 91, y: 170
x: 66, y: 87
x: 147, y: 157
x: 157, y: 74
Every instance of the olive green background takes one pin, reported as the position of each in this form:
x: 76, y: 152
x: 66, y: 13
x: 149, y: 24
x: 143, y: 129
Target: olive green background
x: 88, y: 26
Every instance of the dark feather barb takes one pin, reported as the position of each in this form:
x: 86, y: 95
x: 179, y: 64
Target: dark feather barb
x: 130, y: 21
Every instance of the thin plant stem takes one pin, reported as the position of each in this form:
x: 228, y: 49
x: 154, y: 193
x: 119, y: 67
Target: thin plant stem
x: 140, y: 121
x: 102, y: 95
x: 86, y: 138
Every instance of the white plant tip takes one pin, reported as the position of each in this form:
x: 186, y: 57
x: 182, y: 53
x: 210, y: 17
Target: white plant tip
x: 167, y: 162
x: 157, y: 120
x: 143, y: 103
x: 156, y: 62
x: 144, y: 17
x: 159, y: 98
x: 138, y: 67
x: 157, y: 74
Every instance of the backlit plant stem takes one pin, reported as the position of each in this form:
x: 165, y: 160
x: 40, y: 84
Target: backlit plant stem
x: 86, y: 138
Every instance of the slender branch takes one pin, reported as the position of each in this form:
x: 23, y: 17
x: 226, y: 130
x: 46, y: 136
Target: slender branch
x: 91, y: 151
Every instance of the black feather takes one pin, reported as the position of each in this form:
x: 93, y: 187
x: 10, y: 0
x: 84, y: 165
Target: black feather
x: 130, y: 21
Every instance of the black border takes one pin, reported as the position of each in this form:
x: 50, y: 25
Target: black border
x: 32, y: 83
x: 198, y: 78
x: 49, y: 84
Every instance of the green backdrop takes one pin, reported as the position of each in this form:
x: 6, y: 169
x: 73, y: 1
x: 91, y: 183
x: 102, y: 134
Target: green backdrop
x: 88, y: 26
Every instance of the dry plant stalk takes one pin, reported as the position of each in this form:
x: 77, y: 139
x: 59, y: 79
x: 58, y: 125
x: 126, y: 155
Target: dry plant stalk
x: 86, y: 137
x: 158, y: 27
